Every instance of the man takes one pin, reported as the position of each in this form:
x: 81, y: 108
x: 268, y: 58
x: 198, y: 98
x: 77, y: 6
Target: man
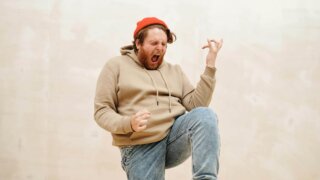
x: 142, y: 100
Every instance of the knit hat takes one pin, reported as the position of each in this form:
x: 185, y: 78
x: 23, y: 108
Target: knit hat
x: 146, y: 22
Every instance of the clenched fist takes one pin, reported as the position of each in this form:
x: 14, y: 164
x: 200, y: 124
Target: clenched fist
x: 139, y: 120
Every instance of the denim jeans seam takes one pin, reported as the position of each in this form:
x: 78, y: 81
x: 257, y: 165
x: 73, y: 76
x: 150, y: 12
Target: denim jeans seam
x: 126, y: 158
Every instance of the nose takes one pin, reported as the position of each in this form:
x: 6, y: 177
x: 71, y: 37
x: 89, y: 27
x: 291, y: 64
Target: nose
x: 161, y: 47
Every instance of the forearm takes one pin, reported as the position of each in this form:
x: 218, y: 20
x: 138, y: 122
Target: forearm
x: 111, y: 121
x: 202, y: 94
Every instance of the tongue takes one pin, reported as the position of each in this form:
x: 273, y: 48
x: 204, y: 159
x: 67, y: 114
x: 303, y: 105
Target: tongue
x: 154, y: 58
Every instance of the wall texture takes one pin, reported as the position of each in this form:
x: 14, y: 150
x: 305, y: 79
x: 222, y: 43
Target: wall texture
x: 267, y: 94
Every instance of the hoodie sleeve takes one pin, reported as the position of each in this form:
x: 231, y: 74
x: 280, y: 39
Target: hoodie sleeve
x: 202, y: 94
x: 105, y: 102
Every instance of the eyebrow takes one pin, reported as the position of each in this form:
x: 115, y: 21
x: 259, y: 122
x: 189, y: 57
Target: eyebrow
x: 157, y: 41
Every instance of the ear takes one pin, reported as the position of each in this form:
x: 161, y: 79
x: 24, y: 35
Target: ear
x: 138, y: 44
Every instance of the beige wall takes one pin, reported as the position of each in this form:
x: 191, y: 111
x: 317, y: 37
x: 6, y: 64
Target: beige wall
x: 267, y: 95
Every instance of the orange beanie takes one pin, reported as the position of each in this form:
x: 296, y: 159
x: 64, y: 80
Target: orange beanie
x: 146, y: 22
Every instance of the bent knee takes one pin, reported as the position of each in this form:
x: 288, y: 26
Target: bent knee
x: 206, y: 115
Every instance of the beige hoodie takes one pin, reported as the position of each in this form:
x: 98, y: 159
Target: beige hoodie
x: 124, y: 87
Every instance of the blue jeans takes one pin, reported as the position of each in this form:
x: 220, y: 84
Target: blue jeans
x: 194, y: 133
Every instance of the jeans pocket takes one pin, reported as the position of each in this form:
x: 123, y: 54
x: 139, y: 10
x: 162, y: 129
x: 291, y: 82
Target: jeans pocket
x: 125, y: 157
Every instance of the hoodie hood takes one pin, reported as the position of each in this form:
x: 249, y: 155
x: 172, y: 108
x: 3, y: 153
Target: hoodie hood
x: 129, y: 51
x: 126, y: 50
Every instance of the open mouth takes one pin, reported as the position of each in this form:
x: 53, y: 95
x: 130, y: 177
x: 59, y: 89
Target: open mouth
x: 155, y: 58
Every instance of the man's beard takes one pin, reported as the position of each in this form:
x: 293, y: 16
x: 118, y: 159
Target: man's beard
x: 143, y: 58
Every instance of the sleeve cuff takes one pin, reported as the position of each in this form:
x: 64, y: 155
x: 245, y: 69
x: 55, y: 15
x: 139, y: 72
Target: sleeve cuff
x: 127, y: 124
x: 210, y: 71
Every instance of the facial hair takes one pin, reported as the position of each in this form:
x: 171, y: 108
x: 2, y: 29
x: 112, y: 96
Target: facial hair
x: 143, y: 58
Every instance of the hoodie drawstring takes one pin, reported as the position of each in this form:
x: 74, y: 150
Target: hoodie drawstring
x: 165, y: 82
x: 155, y: 86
